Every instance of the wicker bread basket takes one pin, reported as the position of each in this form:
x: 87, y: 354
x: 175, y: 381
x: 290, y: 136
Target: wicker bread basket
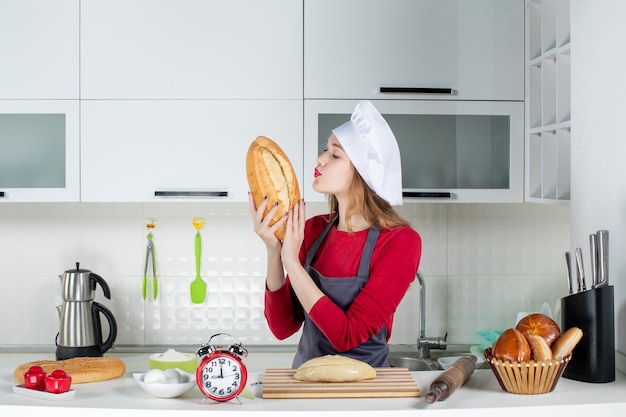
x: 529, y: 377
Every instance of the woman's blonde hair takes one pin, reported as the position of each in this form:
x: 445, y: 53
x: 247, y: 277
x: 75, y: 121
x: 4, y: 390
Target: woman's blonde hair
x: 362, y: 199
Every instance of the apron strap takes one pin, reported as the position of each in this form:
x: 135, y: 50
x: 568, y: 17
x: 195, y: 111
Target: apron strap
x: 318, y: 241
x: 368, y: 249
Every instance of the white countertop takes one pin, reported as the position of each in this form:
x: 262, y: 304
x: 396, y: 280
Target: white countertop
x: 480, y: 396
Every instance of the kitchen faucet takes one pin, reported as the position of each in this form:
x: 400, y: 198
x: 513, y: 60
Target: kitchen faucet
x: 425, y: 344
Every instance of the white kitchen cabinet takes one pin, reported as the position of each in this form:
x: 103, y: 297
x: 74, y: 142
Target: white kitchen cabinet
x: 39, y: 150
x: 452, y: 151
x: 353, y: 48
x: 179, y: 150
x: 191, y: 49
x: 548, y: 121
x: 39, y: 48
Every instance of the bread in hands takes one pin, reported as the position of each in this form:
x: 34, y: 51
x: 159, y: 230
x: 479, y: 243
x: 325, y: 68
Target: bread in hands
x: 270, y: 174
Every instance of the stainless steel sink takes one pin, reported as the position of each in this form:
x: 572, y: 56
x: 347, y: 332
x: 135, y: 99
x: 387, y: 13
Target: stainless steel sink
x: 409, y: 359
x: 412, y: 362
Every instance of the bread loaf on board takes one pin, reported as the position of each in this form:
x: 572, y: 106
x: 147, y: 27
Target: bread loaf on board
x: 334, y: 368
x: 270, y: 174
x: 82, y: 369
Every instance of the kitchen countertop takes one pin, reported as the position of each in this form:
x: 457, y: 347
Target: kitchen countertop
x: 480, y: 396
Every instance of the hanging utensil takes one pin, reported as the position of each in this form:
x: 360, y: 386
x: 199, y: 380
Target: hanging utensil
x: 198, y: 286
x: 150, y: 259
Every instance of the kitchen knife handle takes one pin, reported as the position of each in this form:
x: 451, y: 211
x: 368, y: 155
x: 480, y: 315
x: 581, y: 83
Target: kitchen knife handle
x: 568, y: 264
x: 603, y: 257
x: 580, y: 270
x: 593, y: 252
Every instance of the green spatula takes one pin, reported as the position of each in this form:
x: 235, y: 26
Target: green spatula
x: 198, y: 286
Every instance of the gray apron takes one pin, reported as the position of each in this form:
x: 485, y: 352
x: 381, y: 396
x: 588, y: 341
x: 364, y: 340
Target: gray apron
x: 342, y: 292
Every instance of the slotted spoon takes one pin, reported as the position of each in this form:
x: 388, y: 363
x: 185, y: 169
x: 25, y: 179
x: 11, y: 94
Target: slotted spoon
x: 198, y: 286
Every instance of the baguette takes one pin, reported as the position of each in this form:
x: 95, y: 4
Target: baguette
x: 334, y: 368
x: 81, y: 369
x: 565, y: 344
x: 270, y: 174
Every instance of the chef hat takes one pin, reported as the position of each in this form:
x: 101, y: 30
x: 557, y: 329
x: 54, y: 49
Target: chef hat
x: 373, y: 150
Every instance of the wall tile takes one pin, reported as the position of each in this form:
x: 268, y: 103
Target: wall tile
x: 482, y: 264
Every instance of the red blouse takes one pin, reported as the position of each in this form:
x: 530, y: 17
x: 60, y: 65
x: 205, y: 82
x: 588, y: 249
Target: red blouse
x: 394, y: 263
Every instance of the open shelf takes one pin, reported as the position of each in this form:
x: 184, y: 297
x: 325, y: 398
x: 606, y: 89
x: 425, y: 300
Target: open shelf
x: 548, y: 101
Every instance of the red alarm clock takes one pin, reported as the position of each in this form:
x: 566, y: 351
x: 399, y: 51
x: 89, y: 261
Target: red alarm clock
x: 221, y: 374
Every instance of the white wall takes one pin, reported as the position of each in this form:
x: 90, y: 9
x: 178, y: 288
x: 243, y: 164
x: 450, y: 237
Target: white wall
x: 482, y: 264
x: 599, y: 139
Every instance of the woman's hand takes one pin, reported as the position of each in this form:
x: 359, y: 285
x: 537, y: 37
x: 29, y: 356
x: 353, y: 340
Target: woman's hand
x: 294, y: 235
x: 261, y: 224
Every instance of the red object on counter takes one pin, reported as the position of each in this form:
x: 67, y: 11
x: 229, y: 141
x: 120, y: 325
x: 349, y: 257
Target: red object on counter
x: 58, y: 381
x: 35, y: 378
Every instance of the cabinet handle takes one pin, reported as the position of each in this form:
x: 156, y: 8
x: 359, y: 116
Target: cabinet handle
x: 211, y: 194
x: 427, y: 194
x: 416, y: 90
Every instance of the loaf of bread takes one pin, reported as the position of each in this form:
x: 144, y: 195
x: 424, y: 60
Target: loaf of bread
x: 270, y: 174
x: 511, y: 346
x: 82, y: 369
x: 334, y: 368
x: 539, y: 324
x: 565, y: 344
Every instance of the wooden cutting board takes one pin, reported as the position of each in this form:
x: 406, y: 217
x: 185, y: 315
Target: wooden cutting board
x: 389, y: 382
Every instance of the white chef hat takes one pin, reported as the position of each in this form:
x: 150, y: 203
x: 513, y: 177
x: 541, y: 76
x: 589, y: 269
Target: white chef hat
x: 373, y: 150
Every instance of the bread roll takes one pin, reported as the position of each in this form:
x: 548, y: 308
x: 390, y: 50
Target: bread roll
x: 539, y: 348
x: 511, y: 346
x: 541, y: 325
x: 334, y: 368
x: 270, y: 174
x: 82, y: 369
x: 565, y: 344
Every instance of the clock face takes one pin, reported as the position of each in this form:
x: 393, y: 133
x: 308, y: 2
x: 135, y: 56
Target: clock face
x: 221, y: 376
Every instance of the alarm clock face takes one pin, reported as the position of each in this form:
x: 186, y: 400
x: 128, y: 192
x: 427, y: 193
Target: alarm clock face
x: 221, y: 376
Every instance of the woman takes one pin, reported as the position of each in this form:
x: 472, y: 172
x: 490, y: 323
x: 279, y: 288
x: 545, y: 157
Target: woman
x: 346, y: 271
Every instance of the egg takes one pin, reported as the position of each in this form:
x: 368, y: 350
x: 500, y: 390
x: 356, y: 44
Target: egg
x: 172, y: 376
x: 155, y: 376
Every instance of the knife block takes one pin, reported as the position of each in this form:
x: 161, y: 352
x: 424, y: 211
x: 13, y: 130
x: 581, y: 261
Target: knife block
x: 592, y: 311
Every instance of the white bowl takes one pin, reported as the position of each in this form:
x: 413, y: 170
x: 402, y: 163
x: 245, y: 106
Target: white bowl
x: 164, y: 390
x: 446, y: 361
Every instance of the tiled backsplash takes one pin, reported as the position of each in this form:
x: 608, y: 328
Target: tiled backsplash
x: 482, y: 264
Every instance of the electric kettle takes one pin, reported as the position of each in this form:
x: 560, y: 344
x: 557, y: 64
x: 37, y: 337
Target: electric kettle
x: 80, y: 333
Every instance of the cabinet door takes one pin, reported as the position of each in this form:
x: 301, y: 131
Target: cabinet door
x: 452, y: 151
x: 39, y: 150
x: 355, y: 47
x: 191, y: 49
x: 39, y: 49
x: 195, y: 150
